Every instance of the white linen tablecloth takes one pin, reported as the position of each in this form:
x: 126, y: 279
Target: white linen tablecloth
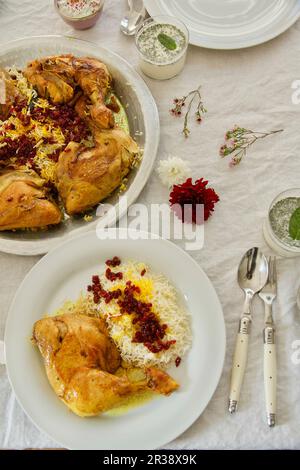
x: 252, y: 88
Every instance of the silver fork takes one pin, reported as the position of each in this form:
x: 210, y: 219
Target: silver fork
x: 268, y: 294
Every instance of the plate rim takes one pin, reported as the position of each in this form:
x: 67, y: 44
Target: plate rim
x: 40, y: 247
x: 154, y: 10
x: 43, y: 261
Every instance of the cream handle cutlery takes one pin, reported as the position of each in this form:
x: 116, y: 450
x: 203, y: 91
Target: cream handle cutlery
x: 268, y: 294
x: 252, y: 276
x: 270, y: 375
x: 239, y: 362
x: 256, y: 275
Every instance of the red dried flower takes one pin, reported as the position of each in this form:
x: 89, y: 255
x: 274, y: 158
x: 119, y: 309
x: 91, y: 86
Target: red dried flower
x: 191, y: 194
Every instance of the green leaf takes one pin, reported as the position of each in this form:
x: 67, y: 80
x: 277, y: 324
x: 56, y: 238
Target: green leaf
x: 294, y: 225
x: 167, y: 41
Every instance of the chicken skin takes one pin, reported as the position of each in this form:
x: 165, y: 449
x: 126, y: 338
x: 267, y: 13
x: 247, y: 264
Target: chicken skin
x: 52, y: 81
x: 23, y: 202
x: 80, y: 361
x: 57, y: 77
x: 87, y: 176
x: 97, y: 115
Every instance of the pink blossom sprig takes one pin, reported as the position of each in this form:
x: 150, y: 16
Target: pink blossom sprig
x: 188, y: 101
x: 238, y: 140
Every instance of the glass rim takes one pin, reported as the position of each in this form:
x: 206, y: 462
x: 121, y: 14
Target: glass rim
x: 282, y: 193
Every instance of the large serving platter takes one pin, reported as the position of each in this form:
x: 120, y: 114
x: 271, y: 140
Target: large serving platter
x: 229, y: 24
x: 59, y: 276
x: 143, y: 122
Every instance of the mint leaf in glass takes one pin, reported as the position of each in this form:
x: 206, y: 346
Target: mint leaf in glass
x: 167, y: 41
x: 294, y: 225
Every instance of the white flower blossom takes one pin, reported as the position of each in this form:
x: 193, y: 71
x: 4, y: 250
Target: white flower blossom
x: 173, y: 170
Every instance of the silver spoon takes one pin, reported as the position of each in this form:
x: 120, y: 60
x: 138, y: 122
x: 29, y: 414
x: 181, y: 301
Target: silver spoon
x: 133, y: 17
x: 252, y: 276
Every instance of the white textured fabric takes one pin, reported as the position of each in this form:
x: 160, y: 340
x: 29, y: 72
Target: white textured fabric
x: 251, y: 88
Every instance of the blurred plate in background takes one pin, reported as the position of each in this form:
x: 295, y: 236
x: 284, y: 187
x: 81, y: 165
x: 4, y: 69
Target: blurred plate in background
x: 229, y: 24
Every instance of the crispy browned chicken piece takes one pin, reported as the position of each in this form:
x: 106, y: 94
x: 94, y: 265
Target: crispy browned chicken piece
x: 24, y: 203
x: 97, y: 115
x: 92, y: 76
x: 8, y: 94
x: 57, y: 77
x: 52, y: 81
x: 80, y: 360
x: 94, y: 79
x: 87, y: 176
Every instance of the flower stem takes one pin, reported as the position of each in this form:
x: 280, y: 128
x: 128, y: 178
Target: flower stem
x: 190, y: 99
x: 239, y: 140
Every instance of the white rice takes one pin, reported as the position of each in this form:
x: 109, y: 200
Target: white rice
x: 166, y: 304
x: 158, y: 290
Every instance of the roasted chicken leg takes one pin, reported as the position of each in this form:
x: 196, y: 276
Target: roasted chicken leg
x: 80, y: 361
x: 57, y: 77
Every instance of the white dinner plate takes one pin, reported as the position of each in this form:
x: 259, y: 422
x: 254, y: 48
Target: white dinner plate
x: 229, y: 24
x: 143, y: 122
x: 61, y: 275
